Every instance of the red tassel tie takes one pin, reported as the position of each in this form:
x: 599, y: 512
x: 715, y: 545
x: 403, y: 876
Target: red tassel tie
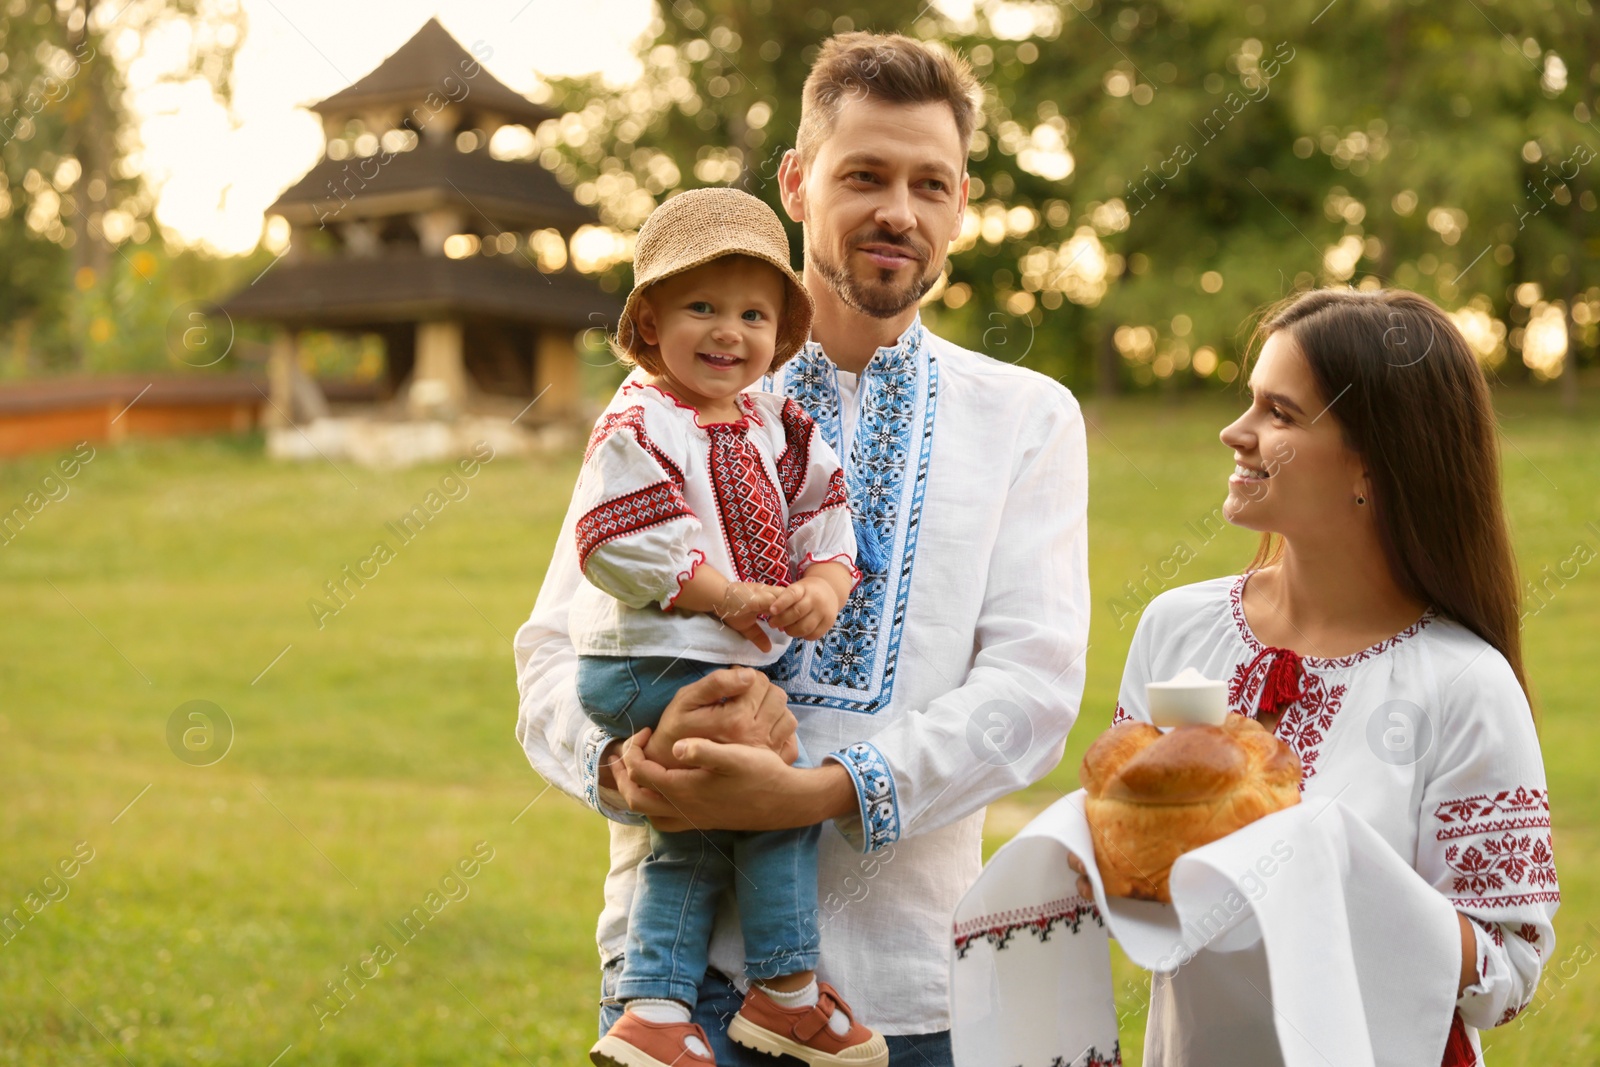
x: 1458, y: 1046
x: 1285, y: 681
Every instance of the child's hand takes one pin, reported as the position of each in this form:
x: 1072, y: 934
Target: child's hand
x: 807, y: 608
x: 741, y: 608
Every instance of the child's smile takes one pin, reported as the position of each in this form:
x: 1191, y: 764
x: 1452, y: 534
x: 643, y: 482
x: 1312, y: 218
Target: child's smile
x: 716, y: 329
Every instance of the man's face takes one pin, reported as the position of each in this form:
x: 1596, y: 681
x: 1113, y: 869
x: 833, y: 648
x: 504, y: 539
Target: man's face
x: 881, y: 202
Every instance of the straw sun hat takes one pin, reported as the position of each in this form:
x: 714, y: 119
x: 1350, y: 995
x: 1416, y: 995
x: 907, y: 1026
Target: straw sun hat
x: 698, y: 226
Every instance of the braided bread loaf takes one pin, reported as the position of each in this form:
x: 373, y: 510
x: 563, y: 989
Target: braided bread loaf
x: 1155, y: 796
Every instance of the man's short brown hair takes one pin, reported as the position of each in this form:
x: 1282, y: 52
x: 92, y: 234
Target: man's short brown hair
x: 889, y: 67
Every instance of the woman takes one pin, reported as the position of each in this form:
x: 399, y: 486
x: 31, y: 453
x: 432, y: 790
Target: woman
x: 1377, y: 630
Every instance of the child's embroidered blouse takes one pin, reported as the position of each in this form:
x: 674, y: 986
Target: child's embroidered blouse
x: 760, y: 499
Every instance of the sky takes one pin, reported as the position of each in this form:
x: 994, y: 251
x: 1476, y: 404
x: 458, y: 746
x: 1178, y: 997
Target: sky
x: 216, y: 172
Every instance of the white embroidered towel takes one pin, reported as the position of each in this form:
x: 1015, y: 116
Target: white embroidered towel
x: 1302, y: 940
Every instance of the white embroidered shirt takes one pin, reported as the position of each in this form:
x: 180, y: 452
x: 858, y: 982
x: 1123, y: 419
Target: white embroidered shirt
x: 1429, y: 739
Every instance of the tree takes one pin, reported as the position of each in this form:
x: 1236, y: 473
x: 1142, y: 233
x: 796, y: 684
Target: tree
x: 1150, y: 174
x: 1556, y: 235
x: 70, y: 196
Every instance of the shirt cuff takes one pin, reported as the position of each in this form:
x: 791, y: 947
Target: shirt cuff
x: 876, y: 795
x: 842, y: 557
x: 1480, y: 965
x: 696, y: 557
x: 594, y: 743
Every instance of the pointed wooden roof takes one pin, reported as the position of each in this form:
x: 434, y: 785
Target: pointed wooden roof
x: 356, y: 293
x: 421, y: 67
x: 504, y: 193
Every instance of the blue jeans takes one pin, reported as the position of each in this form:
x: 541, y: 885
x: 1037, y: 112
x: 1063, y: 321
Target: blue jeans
x: 773, y: 873
x: 719, y: 1002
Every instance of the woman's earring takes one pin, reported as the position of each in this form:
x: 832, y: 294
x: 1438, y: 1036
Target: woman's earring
x: 1360, y: 499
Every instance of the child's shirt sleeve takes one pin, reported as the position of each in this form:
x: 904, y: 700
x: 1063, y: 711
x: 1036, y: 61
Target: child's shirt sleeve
x: 635, y: 532
x: 820, y: 528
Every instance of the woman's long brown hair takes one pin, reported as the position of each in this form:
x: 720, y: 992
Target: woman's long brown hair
x: 1414, y: 403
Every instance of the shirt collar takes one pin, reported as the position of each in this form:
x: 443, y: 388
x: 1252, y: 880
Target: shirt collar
x: 888, y: 358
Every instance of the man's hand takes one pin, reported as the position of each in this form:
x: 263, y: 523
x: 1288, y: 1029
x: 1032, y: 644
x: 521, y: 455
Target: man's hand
x: 807, y: 607
x: 738, y: 706
x: 733, y: 787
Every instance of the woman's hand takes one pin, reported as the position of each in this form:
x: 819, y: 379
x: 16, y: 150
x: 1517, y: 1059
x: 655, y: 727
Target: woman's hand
x: 1085, y: 886
x: 1469, y: 955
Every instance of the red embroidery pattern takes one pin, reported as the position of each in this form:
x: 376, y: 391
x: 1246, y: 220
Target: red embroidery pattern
x: 796, y: 458
x: 1493, y: 930
x: 1509, y: 809
x: 1121, y: 716
x: 1509, y: 847
x: 628, y: 514
x: 1321, y: 663
x: 632, y: 420
x: 1037, y: 919
x: 750, y: 506
x: 837, y: 496
x: 1304, y: 724
x: 1491, y: 863
x: 1529, y: 933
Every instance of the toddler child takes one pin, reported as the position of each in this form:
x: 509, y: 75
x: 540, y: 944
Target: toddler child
x: 713, y: 527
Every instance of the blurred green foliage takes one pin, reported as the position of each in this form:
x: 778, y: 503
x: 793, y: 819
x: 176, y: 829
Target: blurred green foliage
x: 80, y: 255
x: 1150, y: 174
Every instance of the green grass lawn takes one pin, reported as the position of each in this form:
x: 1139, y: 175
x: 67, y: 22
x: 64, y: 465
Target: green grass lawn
x: 372, y: 760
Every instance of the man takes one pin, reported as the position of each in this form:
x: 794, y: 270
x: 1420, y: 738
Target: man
x: 954, y: 672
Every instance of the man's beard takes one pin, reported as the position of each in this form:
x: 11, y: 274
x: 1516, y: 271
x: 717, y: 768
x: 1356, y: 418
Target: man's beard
x: 880, y: 300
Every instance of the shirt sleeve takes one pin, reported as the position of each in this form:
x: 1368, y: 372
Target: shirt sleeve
x: 1485, y: 840
x: 1006, y: 725
x: 561, y: 744
x: 635, y: 532
x: 1132, y: 697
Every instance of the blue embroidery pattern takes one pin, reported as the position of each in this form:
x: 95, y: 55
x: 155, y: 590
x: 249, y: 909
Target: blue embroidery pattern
x: 880, y: 808
x: 853, y: 668
x: 594, y: 743
x: 810, y: 379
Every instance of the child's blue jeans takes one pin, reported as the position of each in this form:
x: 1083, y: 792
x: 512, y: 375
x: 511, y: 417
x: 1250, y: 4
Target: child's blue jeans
x: 772, y: 874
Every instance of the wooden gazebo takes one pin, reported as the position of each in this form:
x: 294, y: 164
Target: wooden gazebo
x: 410, y: 230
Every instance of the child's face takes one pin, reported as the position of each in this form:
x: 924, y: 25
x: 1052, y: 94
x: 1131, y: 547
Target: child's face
x: 716, y: 327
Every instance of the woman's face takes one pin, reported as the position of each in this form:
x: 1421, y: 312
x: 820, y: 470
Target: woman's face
x: 1295, y: 475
